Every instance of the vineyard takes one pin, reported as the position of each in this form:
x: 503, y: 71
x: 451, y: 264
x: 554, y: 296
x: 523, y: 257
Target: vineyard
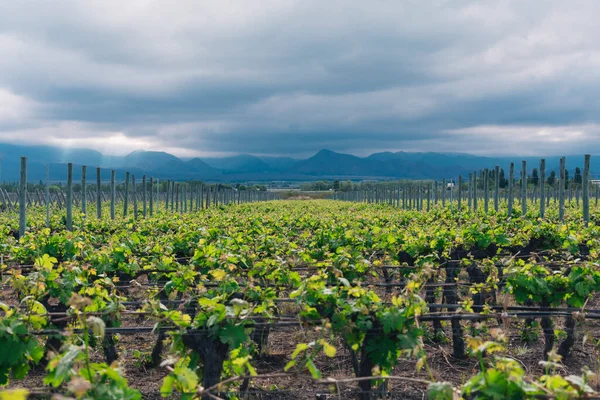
x: 413, y: 293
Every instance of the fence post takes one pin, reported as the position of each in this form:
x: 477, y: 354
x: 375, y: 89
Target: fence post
x: 23, y: 198
x: 475, y: 191
x: 98, y: 193
x: 542, y: 184
x: 511, y: 182
x: 523, y: 187
x: 152, y: 196
x: 561, y: 190
x: 47, y: 197
x: 202, y: 196
x: 459, y: 194
x: 126, y: 196
x: 83, y: 191
x: 486, y: 189
x: 144, y: 195
x: 586, y: 189
x: 112, y: 194
x: 496, y: 187
x: 173, y: 187
x: 444, y: 192
x: 167, y: 195
x: 70, y: 196
x: 134, y: 195
x: 184, y: 197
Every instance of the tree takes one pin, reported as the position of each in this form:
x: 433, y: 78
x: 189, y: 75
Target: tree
x: 551, y: 178
x: 535, y: 179
x: 577, y: 179
x: 503, y: 182
x: 566, y: 178
x: 346, y: 186
x: 336, y: 185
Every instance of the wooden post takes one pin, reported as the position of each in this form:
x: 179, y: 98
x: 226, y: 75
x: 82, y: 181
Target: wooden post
x: 586, y: 189
x: 561, y: 190
x: 459, y: 194
x: 167, y: 195
x: 173, y: 196
x: 542, y: 184
x: 98, y: 193
x: 152, y: 196
x: 444, y: 192
x: 70, y: 196
x: 112, y: 194
x: 184, y: 196
x: 511, y: 181
x: 182, y: 199
x: 524, y: 187
x: 475, y: 191
x: 496, y: 187
x: 486, y: 189
x: 126, y: 195
x: 469, y: 188
x: 134, y: 194
x: 202, y: 196
x: 47, y: 196
x: 197, y: 205
x: 23, y: 198
x: 144, y: 195
x: 83, y: 190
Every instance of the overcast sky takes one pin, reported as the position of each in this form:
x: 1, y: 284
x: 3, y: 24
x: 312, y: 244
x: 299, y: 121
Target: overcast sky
x: 292, y: 77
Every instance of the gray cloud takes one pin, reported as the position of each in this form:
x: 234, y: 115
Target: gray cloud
x: 292, y: 77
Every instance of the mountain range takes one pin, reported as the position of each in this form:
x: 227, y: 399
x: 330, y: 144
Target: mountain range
x: 325, y: 164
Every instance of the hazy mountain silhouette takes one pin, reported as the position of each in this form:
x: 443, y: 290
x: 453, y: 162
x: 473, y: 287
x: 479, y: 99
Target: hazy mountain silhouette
x: 242, y: 163
x: 325, y: 164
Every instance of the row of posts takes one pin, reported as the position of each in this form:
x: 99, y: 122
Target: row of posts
x: 421, y: 196
x: 179, y: 197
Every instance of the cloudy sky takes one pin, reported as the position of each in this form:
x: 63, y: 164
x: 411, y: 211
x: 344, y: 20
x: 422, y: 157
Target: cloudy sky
x: 289, y: 77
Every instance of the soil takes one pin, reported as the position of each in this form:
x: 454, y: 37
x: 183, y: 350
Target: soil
x: 133, y: 348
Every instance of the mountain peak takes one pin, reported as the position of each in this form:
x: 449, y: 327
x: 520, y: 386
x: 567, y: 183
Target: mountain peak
x: 323, y: 152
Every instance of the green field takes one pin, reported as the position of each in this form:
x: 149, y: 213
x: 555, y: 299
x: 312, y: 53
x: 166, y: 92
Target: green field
x: 292, y: 299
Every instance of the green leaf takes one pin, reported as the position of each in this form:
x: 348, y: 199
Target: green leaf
x: 328, y: 349
x: 14, y: 394
x: 233, y: 335
x: 167, y: 387
x: 289, y: 365
x: 300, y: 347
x: 312, y: 368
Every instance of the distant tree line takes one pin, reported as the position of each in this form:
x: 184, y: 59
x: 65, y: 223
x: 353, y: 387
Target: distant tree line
x: 533, y: 179
x: 61, y: 186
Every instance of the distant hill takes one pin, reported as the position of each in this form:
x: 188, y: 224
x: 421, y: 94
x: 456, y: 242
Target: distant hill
x: 156, y: 161
x: 243, y: 163
x: 279, y: 164
x: 203, y: 169
x: 325, y: 164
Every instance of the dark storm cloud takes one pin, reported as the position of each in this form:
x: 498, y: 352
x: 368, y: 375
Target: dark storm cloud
x: 292, y: 77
